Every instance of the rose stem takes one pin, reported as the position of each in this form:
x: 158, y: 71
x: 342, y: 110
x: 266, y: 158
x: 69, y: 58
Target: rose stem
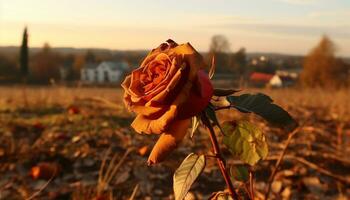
x: 219, y: 157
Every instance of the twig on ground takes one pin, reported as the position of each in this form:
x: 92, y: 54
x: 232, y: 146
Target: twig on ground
x: 251, y: 181
x: 42, y: 187
x: 105, y: 176
x: 322, y: 170
x: 134, y: 192
x: 325, y: 155
x: 313, y: 166
x: 279, y: 161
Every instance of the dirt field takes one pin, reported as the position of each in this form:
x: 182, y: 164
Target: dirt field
x: 70, y: 130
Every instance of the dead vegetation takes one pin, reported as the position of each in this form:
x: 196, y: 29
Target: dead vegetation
x: 86, y: 133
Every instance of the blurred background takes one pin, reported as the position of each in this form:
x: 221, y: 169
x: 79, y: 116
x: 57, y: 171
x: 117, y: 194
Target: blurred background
x: 62, y: 62
x: 251, y: 40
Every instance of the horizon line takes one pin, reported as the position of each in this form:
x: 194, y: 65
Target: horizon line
x: 147, y: 50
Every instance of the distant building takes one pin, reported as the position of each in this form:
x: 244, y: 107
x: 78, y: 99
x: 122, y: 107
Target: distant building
x: 105, y: 72
x: 292, y: 73
x: 64, y: 72
x: 260, y: 59
x: 258, y: 79
x: 88, y: 73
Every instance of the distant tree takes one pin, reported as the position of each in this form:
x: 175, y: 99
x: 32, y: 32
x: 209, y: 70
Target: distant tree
x: 67, y: 65
x: 78, y: 64
x: 24, y: 54
x: 239, y: 61
x: 219, y: 44
x: 321, y: 68
x: 8, y: 68
x: 46, y: 65
x: 267, y: 66
x: 90, y: 57
x: 220, y: 49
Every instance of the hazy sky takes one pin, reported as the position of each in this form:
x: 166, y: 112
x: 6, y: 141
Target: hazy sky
x: 285, y: 26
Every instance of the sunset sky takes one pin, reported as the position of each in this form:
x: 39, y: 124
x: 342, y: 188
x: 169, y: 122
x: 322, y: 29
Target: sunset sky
x: 283, y: 26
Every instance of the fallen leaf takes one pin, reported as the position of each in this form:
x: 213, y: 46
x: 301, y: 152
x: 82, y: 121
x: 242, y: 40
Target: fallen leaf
x: 72, y: 110
x: 143, y: 150
x: 45, y: 171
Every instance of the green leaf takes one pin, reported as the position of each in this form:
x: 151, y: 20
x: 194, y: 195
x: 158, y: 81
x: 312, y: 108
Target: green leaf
x: 240, y: 173
x: 190, y: 168
x: 210, y: 112
x: 224, y: 92
x: 263, y: 106
x: 195, y: 124
x: 245, y: 140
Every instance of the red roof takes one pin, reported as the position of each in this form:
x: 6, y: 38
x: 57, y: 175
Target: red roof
x: 260, y: 77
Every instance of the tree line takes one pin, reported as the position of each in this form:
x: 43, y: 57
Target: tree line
x: 47, y: 64
x: 320, y: 67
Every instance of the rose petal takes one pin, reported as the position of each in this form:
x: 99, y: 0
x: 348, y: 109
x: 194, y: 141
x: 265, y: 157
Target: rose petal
x: 146, y: 125
x: 155, y: 85
x: 191, y: 57
x: 135, y: 86
x: 168, y: 141
x: 197, y: 100
x: 126, y: 83
x: 142, y: 124
x: 169, y: 88
x: 169, y: 79
x: 182, y: 93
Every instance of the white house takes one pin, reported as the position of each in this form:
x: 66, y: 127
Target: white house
x: 88, y: 72
x: 64, y: 72
x: 276, y: 81
x: 105, y: 72
x: 258, y: 79
x: 292, y: 73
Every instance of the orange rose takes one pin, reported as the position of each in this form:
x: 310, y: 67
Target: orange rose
x: 168, y: 89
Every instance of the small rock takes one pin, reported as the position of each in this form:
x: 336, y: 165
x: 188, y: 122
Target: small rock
x: 76, y: 139
x: 314, y: 185
x: 276, y: 186
x: 286, y: 193
x: 158, y: 192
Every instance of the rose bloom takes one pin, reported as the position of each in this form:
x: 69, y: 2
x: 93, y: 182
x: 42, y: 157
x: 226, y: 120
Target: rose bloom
x: 168, y: 89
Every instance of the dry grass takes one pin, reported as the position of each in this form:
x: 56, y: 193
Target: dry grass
x: 329, y: 112
x: 335, y: 103
x: 334, y: 100
x: 108, y: 171
x: 53, y: 95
